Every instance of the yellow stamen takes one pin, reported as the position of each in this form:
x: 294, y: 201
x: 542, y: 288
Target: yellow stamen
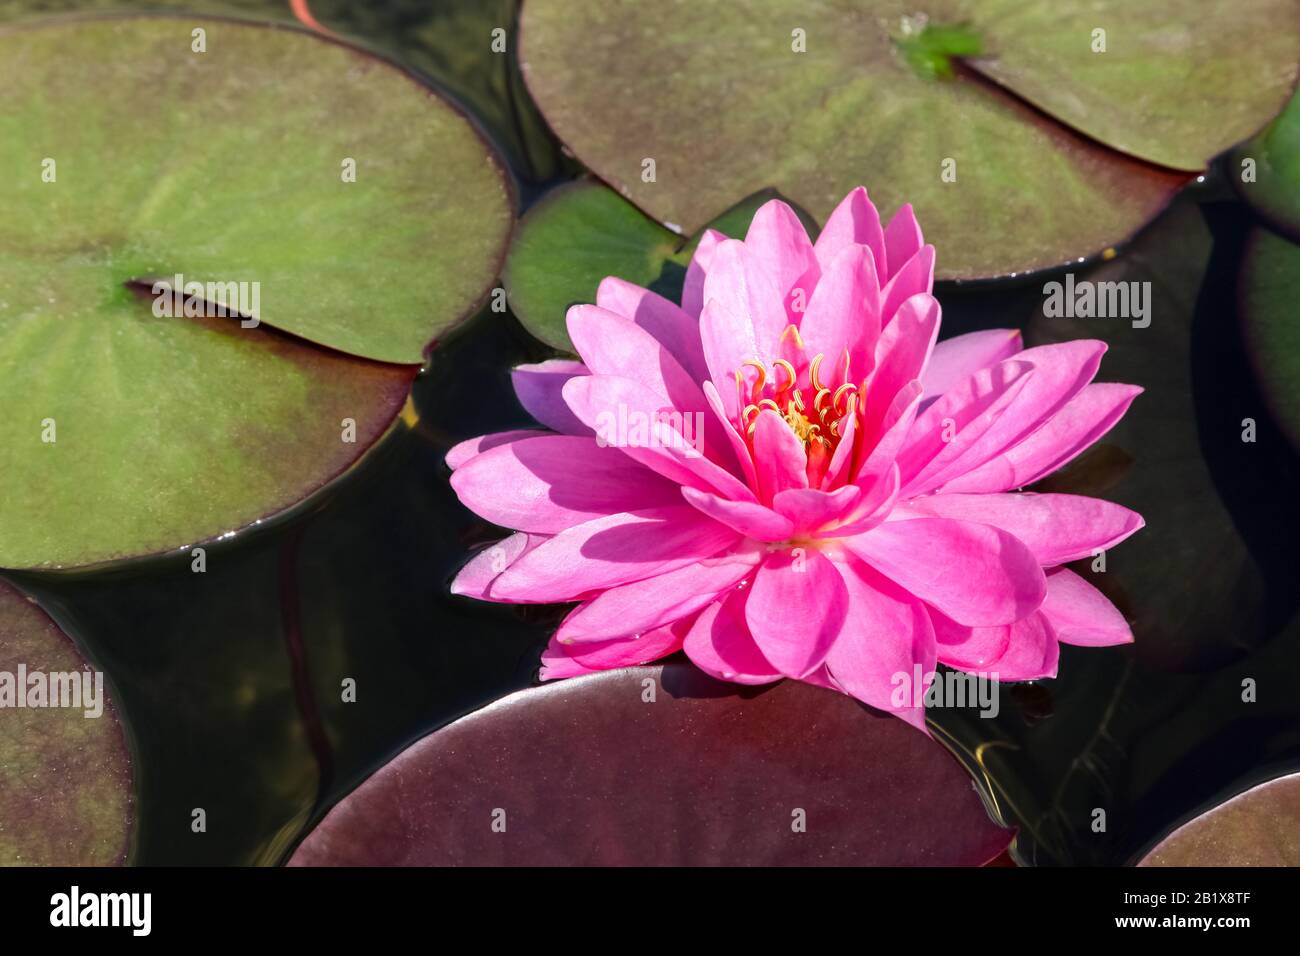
x: 813, y: 372
x: 756, y: 392
x: 840, y: 392
x: 789, y: 371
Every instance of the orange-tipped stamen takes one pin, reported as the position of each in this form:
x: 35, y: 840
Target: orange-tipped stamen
x: 845, y: 389
x: 756, y: 391
x: 793, y: 376
x: 813, y: 372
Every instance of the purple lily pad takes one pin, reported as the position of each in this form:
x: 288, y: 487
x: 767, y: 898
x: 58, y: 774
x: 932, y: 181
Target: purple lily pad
x: 1260, y: 827
x: 65, y: 773
x: 663, y: 765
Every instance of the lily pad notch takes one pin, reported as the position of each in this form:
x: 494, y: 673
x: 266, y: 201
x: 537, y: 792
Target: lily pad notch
x: 362, y: 212
x: 1057, y: 140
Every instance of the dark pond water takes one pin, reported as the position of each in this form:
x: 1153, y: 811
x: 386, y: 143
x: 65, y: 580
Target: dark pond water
x: 230, y: 681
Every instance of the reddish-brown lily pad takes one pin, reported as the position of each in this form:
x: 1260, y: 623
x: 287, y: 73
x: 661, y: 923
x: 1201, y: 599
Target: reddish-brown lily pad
x: 1260, y: 827
x: 65, y: 772
x: 663, y: 765
x: 726, y: 99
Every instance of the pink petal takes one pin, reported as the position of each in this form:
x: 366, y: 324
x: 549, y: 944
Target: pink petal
x: 539, y: 389
x: 1059, y: 373
x: 871, y: 509
x: 476, y: 577
x: 855, y: 221
x: 1032, y: 651
x: 736, y: 279
x: 975, y: 574
x: 903, y: 239
x: 693, y: 288
x: 1081, y: 422
x: 470, y: 447
x: 796, y: 609
x: 779, y: 456
x: 840, y: 470
x: 670, y: 326
x: 612, y: 345
x: 739, y: 450
x: 549, y: 483
x: 613, y: 550
x: 893, y: 430
x: 960, y: 357
x: 1056, y: 528
x: 901, y: 354
x: 915, y: 278
x: 1081, y: 614
x: 728, y: 343
x: 844, y: 311
x: 720, y: 643
x: 780, y: 247
x: 954, y: 423
x: 603, y: 402
x: 968, y: 648
x: 574, y: 660
x: 746, y: 517
x: 810, y: 510
x: 886, y: 636
x: 640, y: 606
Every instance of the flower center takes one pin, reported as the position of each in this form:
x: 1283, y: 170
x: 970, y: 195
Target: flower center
x: 815, y: 411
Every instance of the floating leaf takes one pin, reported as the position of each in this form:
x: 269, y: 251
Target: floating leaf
x: 1260, y: 827
x: 582, y: 232
x: 1166, y: 82
x: 125, y: 158
x: 1270, y: 289
x: 723, y: 102
x: 65, y: 774
x: 1266, y: 171
x: 468, y: 47
x: 663, y: 765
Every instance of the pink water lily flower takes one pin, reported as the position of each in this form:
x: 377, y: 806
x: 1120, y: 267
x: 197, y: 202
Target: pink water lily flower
x: 785, y: 476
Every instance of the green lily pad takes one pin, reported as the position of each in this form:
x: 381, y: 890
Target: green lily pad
x: 582, y: 232
x: 65, y: 773
x: 1260, y: 827
x: 718, y: 97
x: 1266, y: 171
x: 127, y: 433
x: 456, y: 42
x: 1176, y: 84
x: 451, y: 41
x: 1269, y: 289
